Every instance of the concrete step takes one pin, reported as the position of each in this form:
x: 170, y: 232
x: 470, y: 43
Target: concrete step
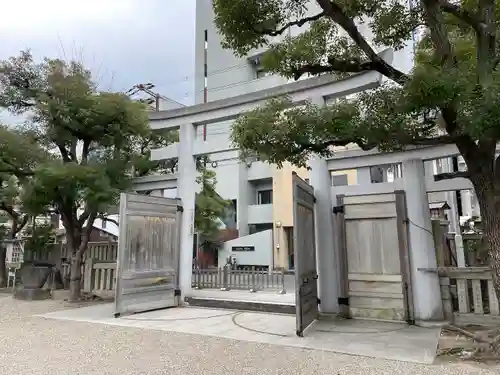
x: 218, y: 303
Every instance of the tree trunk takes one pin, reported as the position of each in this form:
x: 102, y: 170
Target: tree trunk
x: 77, y: 242
x: 73, y: 241
x: 75, y: 281
x: 3, y: 266
x: 485, y: 188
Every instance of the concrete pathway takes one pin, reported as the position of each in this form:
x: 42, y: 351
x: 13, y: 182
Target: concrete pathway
x: 372, y: 339
x: 32, y: 345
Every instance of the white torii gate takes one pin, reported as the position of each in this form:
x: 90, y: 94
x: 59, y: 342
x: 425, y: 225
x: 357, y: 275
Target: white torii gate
x: 189, y: 147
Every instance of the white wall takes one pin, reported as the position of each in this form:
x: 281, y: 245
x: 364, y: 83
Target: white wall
x: 226, y: 173
x: 170, y: 193
x: 262, y: 256
x: 229, y: 75
x: 109, y: 226
x: 224, y: 69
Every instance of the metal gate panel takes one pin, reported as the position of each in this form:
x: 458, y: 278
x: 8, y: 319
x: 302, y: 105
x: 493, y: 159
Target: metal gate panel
x: 306, y: 276
x: 148, y: 254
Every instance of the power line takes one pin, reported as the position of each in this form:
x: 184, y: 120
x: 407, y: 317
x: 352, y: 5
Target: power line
x: 154, y: 98
x: 190, y: 78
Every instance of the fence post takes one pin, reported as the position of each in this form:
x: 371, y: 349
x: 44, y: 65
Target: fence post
x: 198, y: 276
x: 88, y: 279
x: 282, y: 275
x: 446, y: 297
x: 225, y: 277
x: 253, y: 287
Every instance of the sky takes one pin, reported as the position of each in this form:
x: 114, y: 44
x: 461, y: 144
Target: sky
x: 123, y: 42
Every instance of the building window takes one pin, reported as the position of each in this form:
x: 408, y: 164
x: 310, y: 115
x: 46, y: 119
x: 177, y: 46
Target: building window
x: 256, y: 228
x: 385, y: 173
x: 339, y: 180
x: 377, y: 175
x: 265, y: 197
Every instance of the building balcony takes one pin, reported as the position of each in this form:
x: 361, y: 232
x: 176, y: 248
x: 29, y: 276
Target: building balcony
x: 259, y: 170
x: 260, y: 214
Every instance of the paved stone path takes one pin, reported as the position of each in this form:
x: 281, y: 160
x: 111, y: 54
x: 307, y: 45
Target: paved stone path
x: 32, y: 345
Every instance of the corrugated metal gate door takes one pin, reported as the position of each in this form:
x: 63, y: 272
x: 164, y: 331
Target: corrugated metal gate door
x: 306, y: 276
x: 148, y: 254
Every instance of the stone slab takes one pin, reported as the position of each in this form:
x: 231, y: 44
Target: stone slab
x: 394, y: 341
x: 31, y: 294
x: 217, y: 303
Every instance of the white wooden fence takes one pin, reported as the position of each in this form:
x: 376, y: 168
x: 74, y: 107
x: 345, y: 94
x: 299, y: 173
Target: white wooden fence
x: 100, y: 277
x: 226, y: 278
x: 468, y: 295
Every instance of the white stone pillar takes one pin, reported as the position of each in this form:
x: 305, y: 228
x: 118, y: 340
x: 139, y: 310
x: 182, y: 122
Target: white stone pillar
x: 426, y: 290
x: 243, y: 199
x: 455, y: 217
x: 460, y: 250
x: 326, y: 251
x: 186, y: 189
x: 466, y: 199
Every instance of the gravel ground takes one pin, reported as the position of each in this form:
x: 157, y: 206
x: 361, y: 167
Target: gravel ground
x: 31, y: 345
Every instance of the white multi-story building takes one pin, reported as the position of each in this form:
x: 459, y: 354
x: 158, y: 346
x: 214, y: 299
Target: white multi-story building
x: 262, y: 194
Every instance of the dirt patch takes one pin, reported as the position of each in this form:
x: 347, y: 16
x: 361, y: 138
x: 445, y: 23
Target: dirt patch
x: 456, y: 347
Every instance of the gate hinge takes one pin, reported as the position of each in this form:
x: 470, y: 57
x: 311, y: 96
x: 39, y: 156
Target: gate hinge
x: 318, y: 301
x: 343, y: 301
x: 177, y: 293
x: 180, y: 209
x: 338, y: 209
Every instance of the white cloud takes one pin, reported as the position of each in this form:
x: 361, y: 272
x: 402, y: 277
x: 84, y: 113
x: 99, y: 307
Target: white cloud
x: 123, y: 42
x: 50, y: 13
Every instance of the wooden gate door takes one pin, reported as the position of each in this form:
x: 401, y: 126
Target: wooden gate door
x: 148, y: 254
x: 304, y: 244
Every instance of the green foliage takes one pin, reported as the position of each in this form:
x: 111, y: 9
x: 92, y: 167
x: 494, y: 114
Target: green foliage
x: 89, y: 144
x: 143, y: 165
x: 450, y: 96
x: 210, y: 207
x: 324, y: 44
x: 19, y: 153
x: 39, y: 239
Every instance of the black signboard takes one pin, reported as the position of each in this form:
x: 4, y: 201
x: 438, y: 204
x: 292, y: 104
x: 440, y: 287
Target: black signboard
x: 243, y: 248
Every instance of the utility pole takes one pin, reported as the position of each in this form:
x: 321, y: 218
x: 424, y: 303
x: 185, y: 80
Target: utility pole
x: 146, y: 88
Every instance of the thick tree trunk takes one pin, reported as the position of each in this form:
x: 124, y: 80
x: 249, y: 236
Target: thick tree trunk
x: 3, y: 266
x: 73, y: 241
x: 492, y: 243
x: 75, y: 280
x: 77, y: 244
x: 485, y: 188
